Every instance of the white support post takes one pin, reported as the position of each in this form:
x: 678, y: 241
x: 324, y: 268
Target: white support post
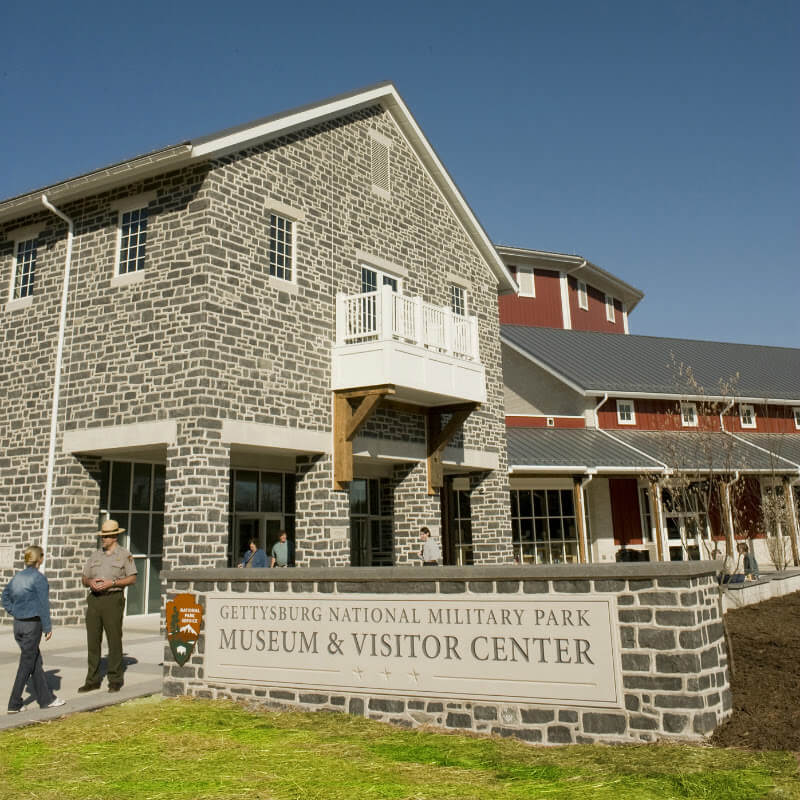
x: 419, y: 323
x: 474, y: 339
x: 447, y: 316
x: 386, y: 313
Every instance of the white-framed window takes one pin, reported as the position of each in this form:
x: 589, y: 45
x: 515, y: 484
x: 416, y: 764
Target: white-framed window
x: 132, y: 240
x: 24, y: 270
x: 645, y: 516
x: 458, y: 299
x: 796, y: 415
x: 689, y: 415
x: 281, y: 247
x: 527, y: 285
x: 583, y: 296
x: 626, y: 413
x: 747, y: 415
x: 373, y: 278
x: 610, y: 315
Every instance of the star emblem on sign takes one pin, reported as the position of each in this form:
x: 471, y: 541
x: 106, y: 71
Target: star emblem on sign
x: 386, y: 673
x: 414, y: 675
x: 358, y: 672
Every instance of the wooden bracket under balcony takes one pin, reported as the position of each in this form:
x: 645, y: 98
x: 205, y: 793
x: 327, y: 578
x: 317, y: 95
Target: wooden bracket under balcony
x: 438, y: 437
x: 347, y: 420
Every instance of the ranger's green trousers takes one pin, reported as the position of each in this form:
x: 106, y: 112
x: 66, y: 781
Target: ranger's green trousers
x: 104, y: 613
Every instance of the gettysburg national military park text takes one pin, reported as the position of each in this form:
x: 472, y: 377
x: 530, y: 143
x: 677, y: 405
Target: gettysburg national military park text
x: 479, y: 647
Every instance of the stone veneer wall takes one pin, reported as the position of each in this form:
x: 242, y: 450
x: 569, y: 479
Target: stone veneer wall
x: 674, y: 659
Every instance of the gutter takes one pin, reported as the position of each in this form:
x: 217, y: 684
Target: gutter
x: 62, y: 324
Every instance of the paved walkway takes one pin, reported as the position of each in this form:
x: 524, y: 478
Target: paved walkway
x: 64, y: 659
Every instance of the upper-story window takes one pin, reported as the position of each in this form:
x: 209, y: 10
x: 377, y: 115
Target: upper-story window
x: 132, y: 240
x: 583, y: 296
x: 281, y: 247
x: 626, y: 414
x: 689, y: 415
x: 796, y: 414
x: 458, y: 299
x: 747, y: 415
x: 372, y: 279
x: 610, y: 315
x: 527, y: 286
x: 24, y: 269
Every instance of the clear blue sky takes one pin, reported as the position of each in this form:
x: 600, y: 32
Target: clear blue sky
x: 660, y: 140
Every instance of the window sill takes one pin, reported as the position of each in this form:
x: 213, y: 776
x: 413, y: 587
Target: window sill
x: 20, y: 303
x: 128, y: 278
x: 282, y: 285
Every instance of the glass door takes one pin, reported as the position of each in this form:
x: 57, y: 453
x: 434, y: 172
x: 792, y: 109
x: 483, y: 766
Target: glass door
x: 687, y: 524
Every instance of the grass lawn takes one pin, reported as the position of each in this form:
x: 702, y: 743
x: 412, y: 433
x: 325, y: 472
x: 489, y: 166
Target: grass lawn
x: 193, y: 750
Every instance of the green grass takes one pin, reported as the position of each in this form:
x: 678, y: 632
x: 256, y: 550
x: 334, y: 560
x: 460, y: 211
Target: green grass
x: 197, y: 750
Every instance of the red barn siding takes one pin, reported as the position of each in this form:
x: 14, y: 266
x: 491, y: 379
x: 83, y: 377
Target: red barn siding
x: 595, y: 318
x: 513, y: 421
x: 664, y: 415
x: 625, y: 511
x: 542, y: 311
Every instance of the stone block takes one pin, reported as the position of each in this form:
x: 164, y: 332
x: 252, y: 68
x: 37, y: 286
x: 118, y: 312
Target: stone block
x: 684, y: 663
x: 636, y: 662
x: 657, y: 638
x: 567, y: 716
x: 642, y: 723
x: 536, y: 716
x: 635, y: 614
x: 703, y: 724
x: 690, y: 640
x: 679, y: 701
x: 709, y: 658
x: 658, y: 599
x: 313, y: 699
x: 572, y: 587
x: 559, y: 734
x: 485, y: 712
x: 526, y: 734
x: 674, y: 723
x: 356, y: 707
x: 614, y: 586
x: 280, y: 694
x: 614, y: 724
x: 635, y: 585
x: 387, y: 706
x: 452, y: 587
x: 454, y: 720
x: 535, y: 587
x: 675, y: 619
x: 632, y: 702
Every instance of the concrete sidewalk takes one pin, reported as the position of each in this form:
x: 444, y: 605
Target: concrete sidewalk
x: 64, y: 659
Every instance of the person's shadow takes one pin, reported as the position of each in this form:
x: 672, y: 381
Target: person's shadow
x: 53, y: 682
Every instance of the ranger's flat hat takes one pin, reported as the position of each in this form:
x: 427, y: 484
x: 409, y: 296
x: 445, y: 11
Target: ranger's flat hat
x: 110, y: 528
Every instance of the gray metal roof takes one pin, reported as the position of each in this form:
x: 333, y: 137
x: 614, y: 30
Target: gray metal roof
x: 783, y: 445
x: 584, y: 449
x: 606, y: 362
x: 581, y: 448
x: 687, y: 451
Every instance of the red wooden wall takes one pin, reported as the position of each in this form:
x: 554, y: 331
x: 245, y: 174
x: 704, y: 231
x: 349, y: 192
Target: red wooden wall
x: 595, y: 318
x: 542, y: 311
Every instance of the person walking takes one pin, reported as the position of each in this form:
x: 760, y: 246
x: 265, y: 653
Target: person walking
x: 106, y: 574
x: 430, y: 553
x: 27, y: 599
x: 282, y: 554
x: 254, y: 556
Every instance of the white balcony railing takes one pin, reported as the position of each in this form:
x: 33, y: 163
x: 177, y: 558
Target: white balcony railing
x: 385, y: 315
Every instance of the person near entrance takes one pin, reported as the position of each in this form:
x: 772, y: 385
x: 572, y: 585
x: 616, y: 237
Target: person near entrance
x: 749, y: 563
x: 26, y: 598
x: 282, y: 552
x: 107, y: 572
x: 254, y: 556
x: 430, y: 553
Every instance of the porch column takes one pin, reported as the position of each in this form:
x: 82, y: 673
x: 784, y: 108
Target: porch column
x: 413, y: 507
x: 658, y: 518
x: 727, y: 510
x: 490, y: 501
x: 322, y: 515
x: 794, y: 532
x: 579, y: 501
x: 196, y: 499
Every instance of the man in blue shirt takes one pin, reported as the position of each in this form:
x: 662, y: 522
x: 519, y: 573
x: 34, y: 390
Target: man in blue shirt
x: 27, y: 599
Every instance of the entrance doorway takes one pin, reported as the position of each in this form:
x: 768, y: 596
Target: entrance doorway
x: 371, y: 539
x: 686, y: 522
x: 456, y: 522
x: 264, y: 527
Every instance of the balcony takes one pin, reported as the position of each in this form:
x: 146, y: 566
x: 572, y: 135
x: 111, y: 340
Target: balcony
x: 426, y: 352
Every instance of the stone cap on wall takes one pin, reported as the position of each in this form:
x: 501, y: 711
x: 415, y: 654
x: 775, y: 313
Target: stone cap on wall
x: 648, y: 569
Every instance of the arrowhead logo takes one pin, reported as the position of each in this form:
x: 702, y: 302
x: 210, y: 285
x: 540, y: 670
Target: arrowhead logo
x: 184, y: 618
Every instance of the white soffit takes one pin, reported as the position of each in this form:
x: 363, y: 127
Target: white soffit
x: 134, y: 436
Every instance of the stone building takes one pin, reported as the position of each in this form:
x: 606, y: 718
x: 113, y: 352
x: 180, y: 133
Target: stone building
x: 291, y: 324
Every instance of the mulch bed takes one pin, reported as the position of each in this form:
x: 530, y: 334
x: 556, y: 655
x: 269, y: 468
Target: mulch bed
x: 766, y: 682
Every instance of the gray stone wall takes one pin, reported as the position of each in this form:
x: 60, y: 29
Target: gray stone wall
x: 674, y: 658
x: 207, y: 336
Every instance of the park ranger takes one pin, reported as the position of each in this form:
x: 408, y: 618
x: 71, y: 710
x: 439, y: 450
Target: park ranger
x: 107, y: 573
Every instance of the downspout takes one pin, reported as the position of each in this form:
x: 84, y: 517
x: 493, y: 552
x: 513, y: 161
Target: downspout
x: 722, y: 414
x: 62, y: 324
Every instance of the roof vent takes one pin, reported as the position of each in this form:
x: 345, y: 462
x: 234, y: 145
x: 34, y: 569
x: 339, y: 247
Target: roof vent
x: 380, y: 165
x: 551, y: 422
